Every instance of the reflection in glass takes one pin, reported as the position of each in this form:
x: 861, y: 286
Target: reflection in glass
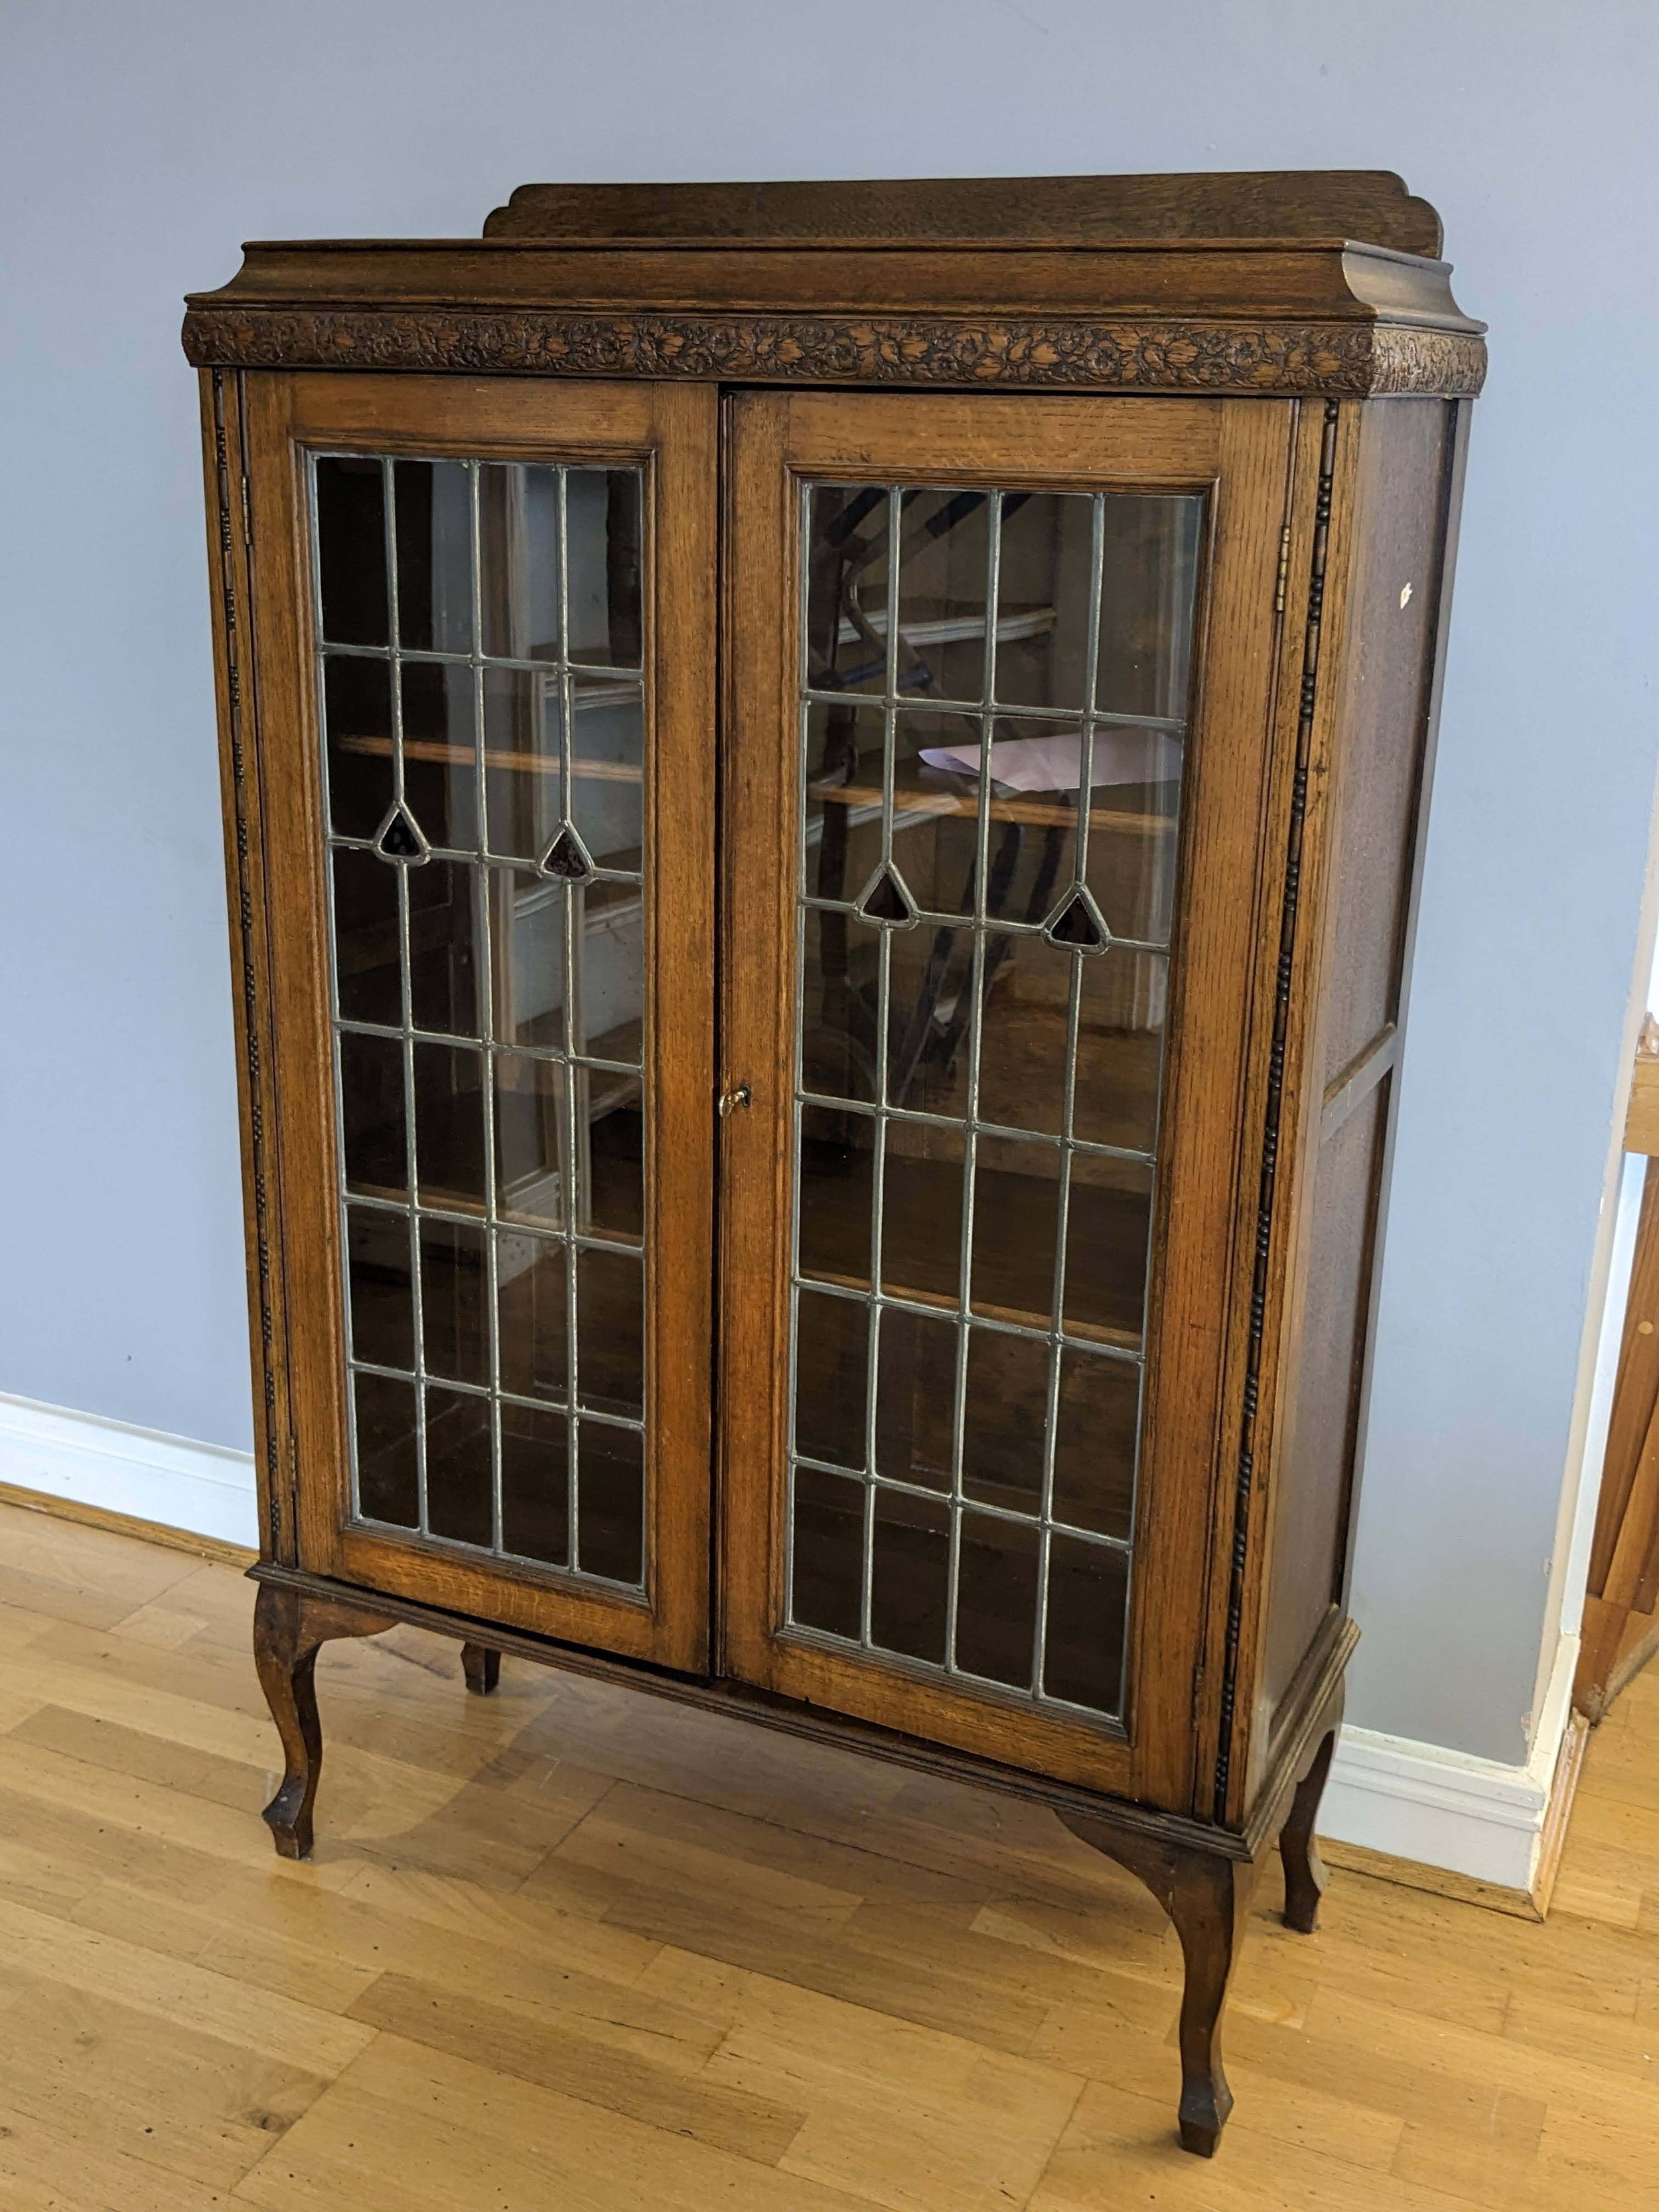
x: 488, y: 942
x: 993, y: 726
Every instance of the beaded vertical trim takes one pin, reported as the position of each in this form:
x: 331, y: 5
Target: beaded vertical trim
x: 1245, y: 1482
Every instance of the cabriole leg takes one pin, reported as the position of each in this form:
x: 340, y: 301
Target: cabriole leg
x: 289, y: 1628
x: 482, y: 1666
x: 1304, y: 1871
x: 1207, y: 1897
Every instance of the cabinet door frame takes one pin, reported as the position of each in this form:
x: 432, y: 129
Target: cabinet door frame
x: 1240, y: 454
x: 671, y: 432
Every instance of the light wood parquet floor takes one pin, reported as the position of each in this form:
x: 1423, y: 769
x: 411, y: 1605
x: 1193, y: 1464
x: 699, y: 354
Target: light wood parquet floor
x: 570, y: 1950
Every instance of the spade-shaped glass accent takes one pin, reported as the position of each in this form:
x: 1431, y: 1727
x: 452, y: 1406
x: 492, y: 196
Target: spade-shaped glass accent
x: 886, y: 900
x: 400, y: 838
x: 1077, y: 924
x: 566, y: 858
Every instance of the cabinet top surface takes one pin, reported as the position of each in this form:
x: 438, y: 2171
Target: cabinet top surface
x: 1287, y: 282
x: 1371, y: 205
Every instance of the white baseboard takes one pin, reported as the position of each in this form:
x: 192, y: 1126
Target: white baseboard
x: 1409, y: 1801
x: 1436, y: 1808
x: 142, y: 1472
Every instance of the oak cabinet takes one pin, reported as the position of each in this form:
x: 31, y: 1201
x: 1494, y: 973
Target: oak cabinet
x: 822, y: 786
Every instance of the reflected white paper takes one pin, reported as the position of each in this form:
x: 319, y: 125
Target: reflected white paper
x: 1055, y: 763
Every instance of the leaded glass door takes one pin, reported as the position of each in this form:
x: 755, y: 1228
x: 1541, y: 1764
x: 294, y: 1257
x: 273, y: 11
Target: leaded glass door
x: 491, y: 759
x: 1000, y: 699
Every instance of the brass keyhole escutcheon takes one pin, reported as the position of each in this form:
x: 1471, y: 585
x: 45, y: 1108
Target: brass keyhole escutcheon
x: 731, y: 1100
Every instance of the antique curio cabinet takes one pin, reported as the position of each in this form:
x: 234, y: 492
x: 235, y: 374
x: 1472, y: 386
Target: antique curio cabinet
x: 822, y: 786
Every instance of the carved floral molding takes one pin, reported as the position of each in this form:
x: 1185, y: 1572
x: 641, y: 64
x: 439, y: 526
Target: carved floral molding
x: 1344, y: 360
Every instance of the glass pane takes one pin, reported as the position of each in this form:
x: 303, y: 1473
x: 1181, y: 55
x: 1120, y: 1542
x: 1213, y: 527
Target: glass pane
x: 1120, y: 1049
x: 1016, y: 1220
x: 831, y: 1378
x: 1133, y: 821
x: 388, y: 1453
x: 911, y: 1575
x: 443, y: 947
x: 921, y: 1212
x: 944, y: 540
x: 915, y: 1399
x: 989, y: 833
x: 434, y: 504
x: 996, y: 1598
x: 609, y: 1331
x: 833, y: 1195
x: 440, y: 758
x: 827, y: 1547
x: 610, y: 1502
x: 526, y: 951
x: 351, y: 547
x: 1024, y: 1031
x: 529, y: 1139
x: 608, y: 1107
x: 518, y: 553
x: 1042, y: 600
x: 603, y: 526
x: 930, y: 1005
x: 1006, y: 1418
x: 380, y: 1287
x: 838, y: 1000
x: 494, y: 605
x: 454, y: 1301
x: 357, y: 723
x: 535, y: 1485
x: 1096, y: 1436
x: 372, y: 1114
x: 1152, y: 551
x: 1088, y: 1590
x: 532, y: 1289
x: 367, y: 958
x: 522, y: 719
x: 846, y: 615
x: 610, y: 922
x: 449, y: 1129
x: 1109, y: 1231
x: 459, y: 1475
x: 607, y: 757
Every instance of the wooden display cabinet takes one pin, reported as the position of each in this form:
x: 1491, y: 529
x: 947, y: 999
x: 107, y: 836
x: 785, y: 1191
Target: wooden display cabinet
x: 822, y: 786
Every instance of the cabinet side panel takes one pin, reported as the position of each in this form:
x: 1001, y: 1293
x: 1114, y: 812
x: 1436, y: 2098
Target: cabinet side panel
x: 1316, y: 1472
x: 1404, y: 511
x: 1391, y: 672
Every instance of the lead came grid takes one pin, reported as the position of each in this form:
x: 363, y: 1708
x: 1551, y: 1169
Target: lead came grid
x: 603, y: 1443
x: 1069, y: 920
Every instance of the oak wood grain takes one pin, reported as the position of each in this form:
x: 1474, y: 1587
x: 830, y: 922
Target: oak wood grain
x: 244, y: 2036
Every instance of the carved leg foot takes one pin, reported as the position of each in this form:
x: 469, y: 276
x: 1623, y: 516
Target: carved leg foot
x: 1304, y: 1870
x: 289, y: 1628
x: 482, y: 1667
x: 1207, y: 1897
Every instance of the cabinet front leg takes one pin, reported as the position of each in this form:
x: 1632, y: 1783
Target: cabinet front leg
x: 1209, y: 1904
x: 289, y: 1628
x: 1207, y: 1897
x: 1304, y: 1870
x: 482, y: 1666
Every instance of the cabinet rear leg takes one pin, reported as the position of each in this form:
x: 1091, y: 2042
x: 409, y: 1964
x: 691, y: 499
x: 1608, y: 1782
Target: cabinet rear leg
x: 482, y: 1666
x: 1207, y: 1897
x: 1304, y: 1870
x: 289, y: 1628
